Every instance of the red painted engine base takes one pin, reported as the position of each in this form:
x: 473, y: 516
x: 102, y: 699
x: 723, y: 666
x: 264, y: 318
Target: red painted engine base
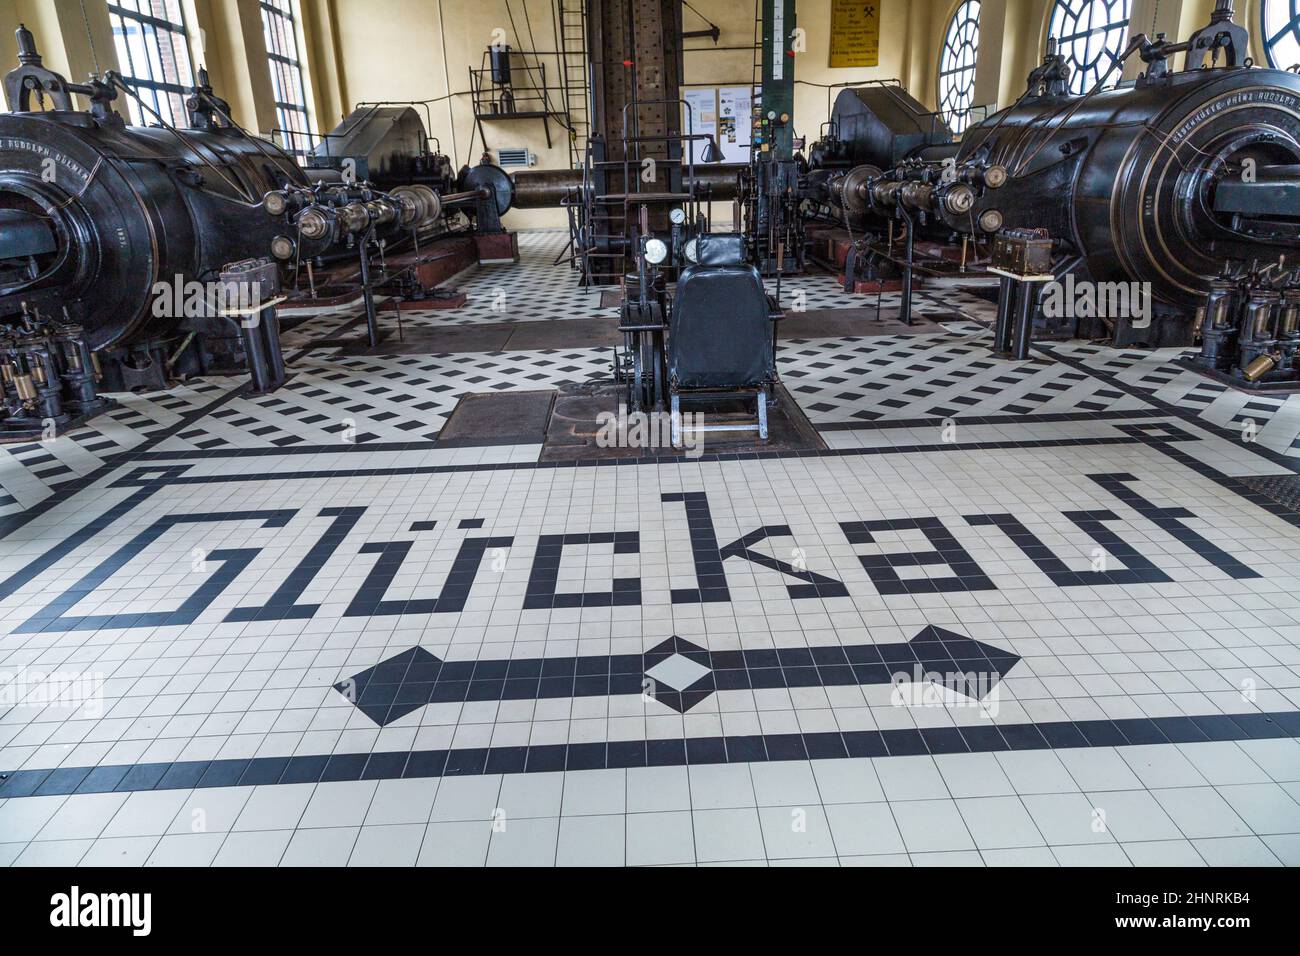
x: 498, y: 247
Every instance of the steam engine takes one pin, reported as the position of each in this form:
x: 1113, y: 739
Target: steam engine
x: 106, y: 212
x: 115, y: 241
x: 1161, y: 183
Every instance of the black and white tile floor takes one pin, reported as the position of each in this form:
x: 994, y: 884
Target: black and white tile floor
x: 864, y: 380
x: 1271, y: 420
x: 31, y: 471
x: 535, y: 289
x: 1018, y: 613
x: 381, y: 399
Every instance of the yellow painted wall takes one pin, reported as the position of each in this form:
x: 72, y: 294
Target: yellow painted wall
x: 65, y: 44
x: 226, y: 38
x: 370, y: 49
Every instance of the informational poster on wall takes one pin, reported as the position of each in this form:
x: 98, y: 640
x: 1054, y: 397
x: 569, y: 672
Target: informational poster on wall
x: 702, y: 116
x: 855, y: 32
x: 735, y: 122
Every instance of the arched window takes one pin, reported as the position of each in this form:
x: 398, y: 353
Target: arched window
x: 153, y: 55
x: 279, y: 18
x: 957, y: 66
x: 1091, y: 36
x: 1281, y: 33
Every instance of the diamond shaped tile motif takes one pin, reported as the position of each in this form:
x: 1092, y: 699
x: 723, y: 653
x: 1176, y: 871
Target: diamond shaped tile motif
x: 681, y: 674
x: 962, y: 664
x: 393, y: 688
x: 678, y: 672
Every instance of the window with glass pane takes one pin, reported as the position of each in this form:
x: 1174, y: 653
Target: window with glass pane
x: 292, y: 118
x: 957, y: 66
x: 153, y: 56
x: 1281, y: 23
x: 1091, y: 36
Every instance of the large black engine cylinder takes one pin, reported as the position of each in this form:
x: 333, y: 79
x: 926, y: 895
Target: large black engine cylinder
x: 125, y: 208
x: 1127, y: 179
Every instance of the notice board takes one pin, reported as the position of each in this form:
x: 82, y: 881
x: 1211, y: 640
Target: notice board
x: 702, y: 117
x: 735, y: 122
x: 855, y: 32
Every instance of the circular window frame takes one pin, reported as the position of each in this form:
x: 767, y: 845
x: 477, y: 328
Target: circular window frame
x: 957, y: 115
x: 1085, y: 75
x: 1291, y: 30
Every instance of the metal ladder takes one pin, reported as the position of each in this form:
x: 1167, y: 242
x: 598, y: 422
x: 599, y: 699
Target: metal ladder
x: 571, y: 28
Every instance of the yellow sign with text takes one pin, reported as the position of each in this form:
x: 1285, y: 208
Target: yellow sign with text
x: 855, y: 32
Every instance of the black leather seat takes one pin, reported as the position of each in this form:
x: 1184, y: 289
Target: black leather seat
x: 721, y: 327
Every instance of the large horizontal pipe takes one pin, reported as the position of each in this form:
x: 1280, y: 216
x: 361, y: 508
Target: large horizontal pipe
x: 546, y: 188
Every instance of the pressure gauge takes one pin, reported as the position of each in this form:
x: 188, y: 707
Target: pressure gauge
x: 677, y: 216
x: 656, y: 251
x: 692, y: 252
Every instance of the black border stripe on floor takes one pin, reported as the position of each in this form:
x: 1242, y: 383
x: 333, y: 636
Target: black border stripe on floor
x: 143, y: 476
x: 615, y: 754
x: 934, y: 421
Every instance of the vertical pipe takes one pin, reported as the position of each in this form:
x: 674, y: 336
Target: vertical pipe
x: 1002, y: 330
x: 255, y: 351
x: 368, y: 292
x: 905, y: 309
x: 270, y: 327
x: 1024, y: 318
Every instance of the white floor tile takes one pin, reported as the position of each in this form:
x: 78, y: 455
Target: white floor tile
x: 595, y: 792
x: 82, y: 817
x: 723, y: 835
x: 1067, y: 819
x: 864, y: 829
x: 1200, y: 812
x: 930, y: 826
x: 186, y: 849
x: 592, y: 841
x: 1163, y: 853
x: 999, y: 823
x: 655, y: 839
x: 255, y: 848
x: 1236, y: 851
x: 721, y: 786
x: 53, y: 853
x: 391, y: 845
x: 325, y: 846
x: 120, y: 851
x: 455, y: 844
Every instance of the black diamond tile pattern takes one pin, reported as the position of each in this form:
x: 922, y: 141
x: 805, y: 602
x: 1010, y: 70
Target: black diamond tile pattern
x: 403, y: 684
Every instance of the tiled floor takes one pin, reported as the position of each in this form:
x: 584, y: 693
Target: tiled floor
x: 1017, y: 613
x: 1271, y: 420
